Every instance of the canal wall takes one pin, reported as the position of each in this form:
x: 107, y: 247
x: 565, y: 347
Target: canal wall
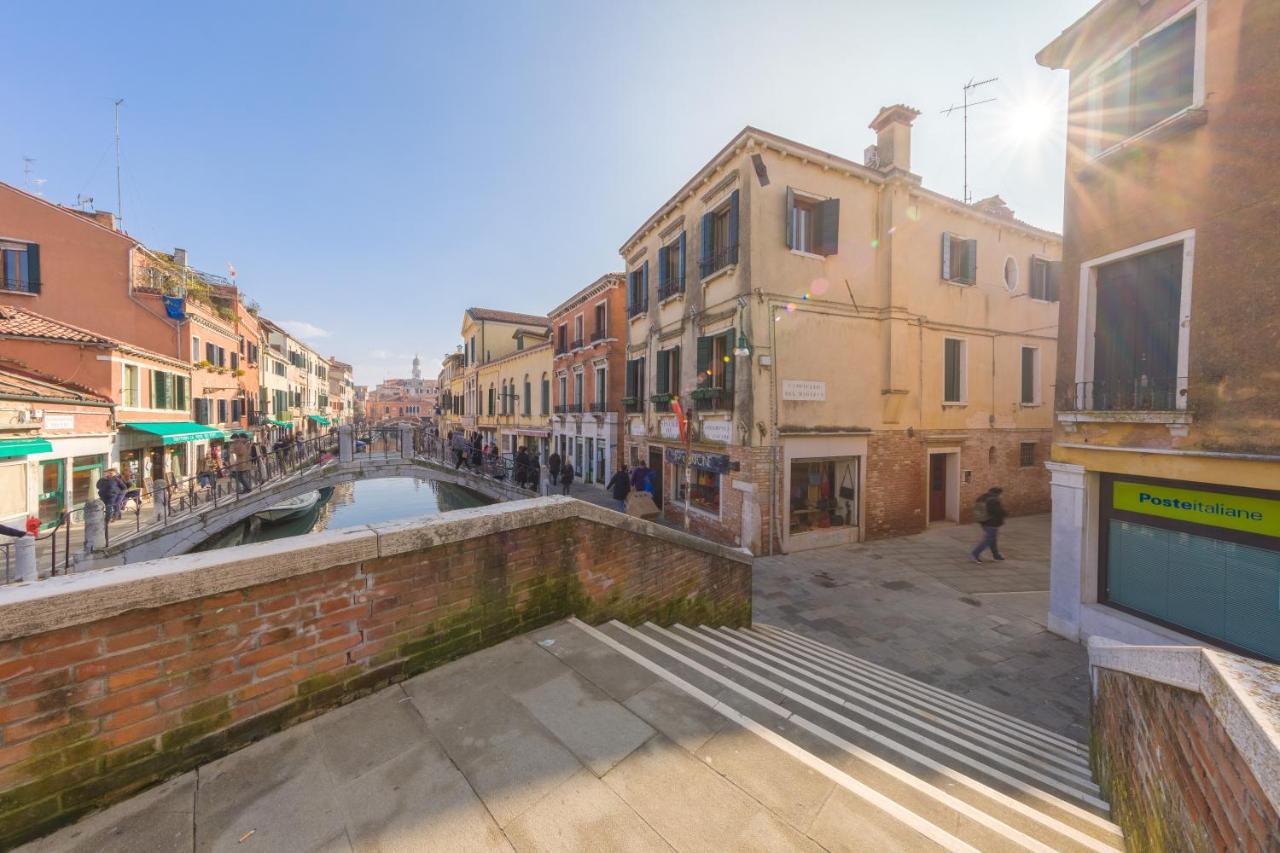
x: 118, y: 678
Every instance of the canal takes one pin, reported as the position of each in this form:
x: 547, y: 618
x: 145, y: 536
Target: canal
x: 353, y: 504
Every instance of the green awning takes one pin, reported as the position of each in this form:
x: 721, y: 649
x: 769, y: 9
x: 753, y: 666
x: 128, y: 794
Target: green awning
x: 23, y: 446
x: 285, y: 424
x: 320, y: 419
x: 175, y: 432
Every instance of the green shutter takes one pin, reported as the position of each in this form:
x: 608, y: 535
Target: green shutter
x: 1028, y: 375
x: 733, y: 225
x: 640, y: 378
x: 631, y: 377
x: 662, y: 269
x: 675, y: 370
x: 644, y: 299
x: 682, y: 261
x: 33, y: 268
x: 828, y: 227
x: 728, y: 365
x: 663, y: 365
x: 704, y: 260
x: 951, y: 366
x: 704, y: 361
x: 790, y: 215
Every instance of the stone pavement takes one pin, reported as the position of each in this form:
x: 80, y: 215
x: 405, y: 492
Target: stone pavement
x: 916, y: 604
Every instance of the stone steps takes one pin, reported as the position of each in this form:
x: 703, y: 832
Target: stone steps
x: 937, y: 771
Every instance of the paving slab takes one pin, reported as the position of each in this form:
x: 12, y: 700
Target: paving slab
x: 596, y: 729
x: 415, y: 802
x: 681, y: 718
x: 158, y: 820
x: 619, y: 677
x: 583, y: 814
x: 847, y: 825
x: 368, y: 732
x: 275, y: 795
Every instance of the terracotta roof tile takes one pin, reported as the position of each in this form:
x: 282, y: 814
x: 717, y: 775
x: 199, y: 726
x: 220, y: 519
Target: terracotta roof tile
x: 508, y: 317
x: 19, y: 380
x: 27, y: 324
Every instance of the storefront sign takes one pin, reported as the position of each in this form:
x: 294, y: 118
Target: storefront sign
x: 717, y: 431
x: 1215, y: 509
x: 637, y: 426
x: 717, y: 462
x: 59, y: 421
x: 669, y: 428
x: 804, y: 390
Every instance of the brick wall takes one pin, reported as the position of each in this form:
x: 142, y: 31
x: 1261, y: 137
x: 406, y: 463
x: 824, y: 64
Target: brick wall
x: 97, y: 709
x: 1174, y: 779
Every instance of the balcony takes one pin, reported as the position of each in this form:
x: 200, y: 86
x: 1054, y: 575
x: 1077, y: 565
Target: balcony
x: 599, y: 408
x: 576, y: 344
x: 569, y: 409
x: 712, y: 400
x: 673, y: 286
x: 637, y: 309
x: 1142, y: 394
x: 632, y: 405
x: 17, y: 284
x: 661, y: 402
x: 725, y: 257
x: 597, y: 336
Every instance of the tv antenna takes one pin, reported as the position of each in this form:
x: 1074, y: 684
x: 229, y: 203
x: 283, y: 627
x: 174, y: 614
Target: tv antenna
x: 119, y: 195
x: 26, y: 172
x: 964, y: 107
x: 83, y: 202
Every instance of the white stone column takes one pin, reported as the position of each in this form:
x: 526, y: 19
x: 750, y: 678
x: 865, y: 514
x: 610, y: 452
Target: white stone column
x: 24, y: 558
x: 346, y: 443
x: 1067, y: 487
x: 94, y: 520
x: 406, y: 441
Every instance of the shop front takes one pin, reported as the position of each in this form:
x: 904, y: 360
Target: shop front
x: 1201, y: 559
x: 822, y: 481
x: 707, y: 476
x: 153, y: 449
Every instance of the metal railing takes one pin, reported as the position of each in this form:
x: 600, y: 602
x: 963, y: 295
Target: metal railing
x: 577, y: 344
x: 718, y: 260
x: 1141, y: 394
x: 48, y: 551
x: 638, y: 308
x: 598, y: 408
x: 712, y: 399
x: 671, y: 287
x: 597, y: 335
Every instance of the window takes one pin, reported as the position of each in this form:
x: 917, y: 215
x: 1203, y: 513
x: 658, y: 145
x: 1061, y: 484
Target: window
x: 813, y: 224
x: 577, y: 390
x: 704, y: 490
x: 472, y: 345
x: 235, y: 411
x: 635, y: 384
x: 195, y: 348
x: 564, y: 393
x: 235, y: 362
x: 562, y: 338
x: 671, y: 268
x: 954, y: 381
x: 668, y: 375
x: 638, y: 290
x: 1027, y: 454
x: 20, y: 266
x: 715, y: 372
x: 1030, y: 376
x: 519, y: 343
x: 1010, y: 274
x: 492, y: 400
x: 546, y: 395
x: 1045, y: 275
x: 719, y: 237
x: 577, y: 331
x: 129, y: 387
x: 1151, y: 81
x: 528, y: 396
x: 959, y: 259
x: 824, y: 494
x: 601, y: 392
x: 601, y: 323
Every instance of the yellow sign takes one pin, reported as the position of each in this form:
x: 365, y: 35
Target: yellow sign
x: 1216, y: 509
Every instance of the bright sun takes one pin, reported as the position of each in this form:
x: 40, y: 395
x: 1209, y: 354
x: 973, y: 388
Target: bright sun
x: 1029, y: 120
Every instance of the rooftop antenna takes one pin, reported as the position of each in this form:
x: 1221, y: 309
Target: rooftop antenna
x: 26, y: 172
x: 119, y: 195
x: 84, y: 202
x: 963, y: 107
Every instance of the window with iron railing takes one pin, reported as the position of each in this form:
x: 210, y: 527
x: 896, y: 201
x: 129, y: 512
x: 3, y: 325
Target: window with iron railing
x: 671, y: 268
x: 719, y: 237
x: 638, y: 290
x: 20, y: 267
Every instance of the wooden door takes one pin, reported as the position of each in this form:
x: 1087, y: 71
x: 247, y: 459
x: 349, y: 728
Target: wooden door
x: 937, y: 487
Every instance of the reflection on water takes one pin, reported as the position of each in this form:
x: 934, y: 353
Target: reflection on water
x: 352, y: 504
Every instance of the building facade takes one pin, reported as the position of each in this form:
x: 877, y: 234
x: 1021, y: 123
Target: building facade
x: 1166, y: 454
x: 857, y: 356
x: 341, y: 392
x: 495, y: 365
x: 589, y: 344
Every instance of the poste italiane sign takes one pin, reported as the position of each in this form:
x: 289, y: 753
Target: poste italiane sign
x: 1216, y: 509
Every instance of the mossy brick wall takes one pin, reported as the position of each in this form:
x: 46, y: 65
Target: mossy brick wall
x: 93, y: 713
x: 1174, y: 779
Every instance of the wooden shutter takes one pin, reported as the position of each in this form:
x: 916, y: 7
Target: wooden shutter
x: 971, y: 261
x: 704, y: 360
x: 1028, y: 375
x: 209, y: 353
x: 828, y: 227
x: 790, y: 216
x: 662, y: 270
x: 33, y: 268
x: 951, y: 366
x: 674, y: 357
x: 1053, y: 280
x: 728, y: 365
x: 664, y: 364
x: 681, y: 267
x: 733, y: 227
x: 644, y: 300
x: 631, y: 378
x: 1038, y: 274
x: 708, y: 241
x: 946, y: 256
x: 640, y: 378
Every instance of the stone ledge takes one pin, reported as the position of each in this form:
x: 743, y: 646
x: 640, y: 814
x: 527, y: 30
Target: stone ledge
x: 68, y: 600
x: 1244, y: 695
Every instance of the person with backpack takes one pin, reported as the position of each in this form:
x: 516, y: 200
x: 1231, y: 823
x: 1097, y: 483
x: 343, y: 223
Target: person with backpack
x: 990, y: 513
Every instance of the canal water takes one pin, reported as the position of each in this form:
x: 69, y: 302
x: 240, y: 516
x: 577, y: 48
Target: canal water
x: 352, y: 504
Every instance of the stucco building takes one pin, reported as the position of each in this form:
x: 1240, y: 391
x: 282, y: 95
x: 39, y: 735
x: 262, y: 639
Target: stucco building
x: 858, y: 356
x: 589, y: 342
x: 506, y: 354
x: 1166, y: 455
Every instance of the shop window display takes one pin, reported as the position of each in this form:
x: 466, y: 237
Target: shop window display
x: 823, y: 494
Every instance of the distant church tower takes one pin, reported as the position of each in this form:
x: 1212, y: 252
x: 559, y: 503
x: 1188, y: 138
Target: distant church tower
x: 417, y: 367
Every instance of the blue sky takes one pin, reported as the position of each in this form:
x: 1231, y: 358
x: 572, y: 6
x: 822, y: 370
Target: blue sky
x: 373, y: 168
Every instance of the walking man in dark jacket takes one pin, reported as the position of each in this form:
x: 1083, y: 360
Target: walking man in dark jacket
x: 620, y: 487
x: 553, y: 470
x: 990, y: 514
x: 109, y: 491
x: 566, y: 477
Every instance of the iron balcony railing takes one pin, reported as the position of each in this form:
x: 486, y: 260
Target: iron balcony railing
x: 637, y: 308
x: 661, y: 402
x: 712, y: 400
x: 598, y: 408
x: 577, y: 344
x: 1141, y: 394
x: 671, y: 287
x: 597, y: 335
x: 632, y: 404
x: 20, y: 285
x: 718, y: 260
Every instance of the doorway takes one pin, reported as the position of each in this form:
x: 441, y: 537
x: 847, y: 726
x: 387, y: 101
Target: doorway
x: 944, y: 485
x: 52, y: 484
x: 655, y: 465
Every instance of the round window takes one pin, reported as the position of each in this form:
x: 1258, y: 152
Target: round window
x: 1010, y: 274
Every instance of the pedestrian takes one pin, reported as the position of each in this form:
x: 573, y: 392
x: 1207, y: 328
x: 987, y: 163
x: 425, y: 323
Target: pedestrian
x: 990, y: 513
x: 620, y: 487
x: 109, y: 492
x: 553, y: 471
x: 241, y: 464
x: 159, y: 487
x: 535, y: 473
x: 566, y: 477
x: 637, y: 476
x: 208, y: 470
x: 522, y: 467
x: 459, y: 446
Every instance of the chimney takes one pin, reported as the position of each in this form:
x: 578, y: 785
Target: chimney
x: 180, y: 257
x: 893, y: 137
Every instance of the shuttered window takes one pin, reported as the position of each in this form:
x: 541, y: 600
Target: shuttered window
x: 953, y: 371
x: 1030, y: 376
x: 719, y: 232
x: 1045, y: 278
x: 959, y: 259
x: 813, y: 225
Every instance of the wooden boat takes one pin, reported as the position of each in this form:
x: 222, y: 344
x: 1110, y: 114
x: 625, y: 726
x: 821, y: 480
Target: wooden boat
x: 289, y: 508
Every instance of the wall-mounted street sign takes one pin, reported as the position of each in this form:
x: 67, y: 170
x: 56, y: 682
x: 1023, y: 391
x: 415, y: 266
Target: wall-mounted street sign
x: 1196, y: 506
x: 804, y: 390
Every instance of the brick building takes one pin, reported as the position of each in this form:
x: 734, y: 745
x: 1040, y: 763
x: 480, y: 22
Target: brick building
x: 589, y: 336
x: 859, y: 356
x: 1166, y: 454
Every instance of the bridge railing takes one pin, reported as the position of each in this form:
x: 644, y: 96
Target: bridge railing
x: 466, y: 455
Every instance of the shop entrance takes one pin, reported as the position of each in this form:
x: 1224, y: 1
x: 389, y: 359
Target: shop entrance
x: 655, y: 465
x: 52, y: 486
x: 944, y: 486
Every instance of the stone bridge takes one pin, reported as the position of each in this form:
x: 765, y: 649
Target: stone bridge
x: 180, y: 534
